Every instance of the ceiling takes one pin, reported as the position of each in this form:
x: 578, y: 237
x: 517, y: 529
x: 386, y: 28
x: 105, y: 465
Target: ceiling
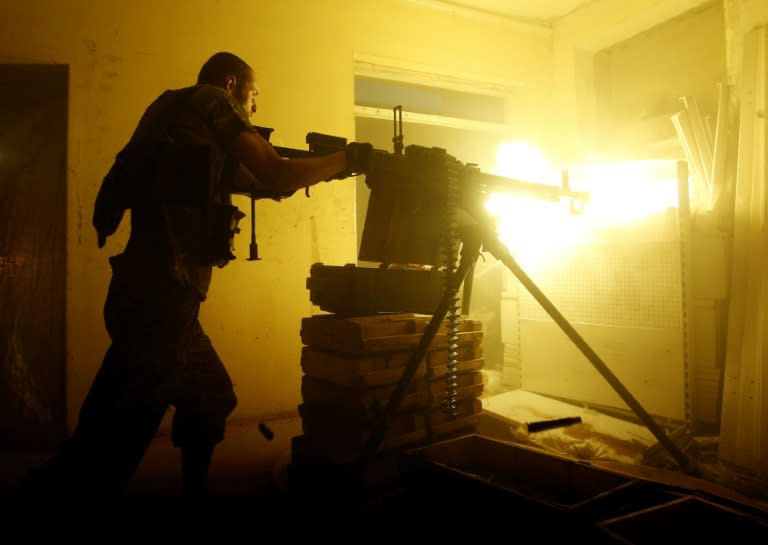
x: 617, y: 20
x: 542, y: 11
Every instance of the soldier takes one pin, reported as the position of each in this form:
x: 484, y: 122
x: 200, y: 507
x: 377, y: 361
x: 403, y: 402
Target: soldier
x: 192, y: 149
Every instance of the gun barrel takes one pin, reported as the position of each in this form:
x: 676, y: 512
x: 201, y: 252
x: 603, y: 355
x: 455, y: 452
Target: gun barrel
x: 502, y: 184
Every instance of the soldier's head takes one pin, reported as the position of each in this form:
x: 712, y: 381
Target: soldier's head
x: 232, y: 73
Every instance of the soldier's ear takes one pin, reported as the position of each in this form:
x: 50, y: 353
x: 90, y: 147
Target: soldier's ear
x: 230, y: 83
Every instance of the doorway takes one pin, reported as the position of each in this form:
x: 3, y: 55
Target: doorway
x: 33, y: 175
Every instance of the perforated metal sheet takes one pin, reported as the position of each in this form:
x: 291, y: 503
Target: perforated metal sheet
x: 632, y: 285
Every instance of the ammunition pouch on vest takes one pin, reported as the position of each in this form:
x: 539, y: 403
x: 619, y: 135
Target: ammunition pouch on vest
x: 221, y: 226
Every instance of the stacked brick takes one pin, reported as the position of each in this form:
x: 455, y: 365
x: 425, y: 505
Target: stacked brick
x: 352, y: 367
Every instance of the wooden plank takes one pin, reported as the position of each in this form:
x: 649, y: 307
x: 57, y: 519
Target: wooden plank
x: 463, y: 380
x: 334, y: 428
x: 684, y: 130
x: 743, y: 437
x: 720, y: 146
x: 411, y: 341
x: 460, y: 426
x: 361, y: 399
x: 338, y: 428
x: 645, y: 360
x: 380, y: 333
x: 464, y: 408
x: 382, y: 369
x: 463, y: 366
x: 703, y: 139
x: 461, y: 393
x: 365, y: 372
x: 328, y: 330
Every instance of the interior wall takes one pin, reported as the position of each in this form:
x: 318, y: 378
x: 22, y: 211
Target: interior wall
x: 638, y: 88
x: 635, y: 85
x: 576, y: 38
x: 638, y: 84
x: 121, y: 55
x: 741, y: 16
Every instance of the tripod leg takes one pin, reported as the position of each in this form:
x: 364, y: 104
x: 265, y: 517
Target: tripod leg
x: 492, y: 244
x: 498, y: 250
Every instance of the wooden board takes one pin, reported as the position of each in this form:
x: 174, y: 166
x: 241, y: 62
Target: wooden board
x: 380, y: 333
x: 647, y: 361
x: 419, y: 394
x: 382, y: 369
x: 358, y: 372
x: 335, y: 427
x: 315, y: 390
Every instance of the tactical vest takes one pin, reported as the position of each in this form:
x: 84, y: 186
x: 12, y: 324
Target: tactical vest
x: 154, y: 168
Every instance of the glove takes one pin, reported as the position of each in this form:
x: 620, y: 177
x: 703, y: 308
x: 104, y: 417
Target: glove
x: 358, y: 160
x: 358, y: 157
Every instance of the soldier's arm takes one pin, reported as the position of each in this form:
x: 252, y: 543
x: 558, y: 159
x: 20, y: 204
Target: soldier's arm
x: 279, y: 175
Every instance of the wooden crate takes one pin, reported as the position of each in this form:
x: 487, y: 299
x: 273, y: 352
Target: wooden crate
x: 358, y: 291
x: 353, y: 366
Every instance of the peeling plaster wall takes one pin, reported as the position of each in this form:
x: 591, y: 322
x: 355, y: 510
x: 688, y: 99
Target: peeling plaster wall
x: 122, y: 54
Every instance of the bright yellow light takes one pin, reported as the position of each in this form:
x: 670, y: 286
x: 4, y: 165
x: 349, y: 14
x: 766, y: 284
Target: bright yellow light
x: 521, y: 161
x: 625, y: 193
x: 537, y: 233
x: 541, y: 233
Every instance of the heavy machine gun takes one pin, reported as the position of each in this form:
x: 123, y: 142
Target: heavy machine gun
x: 426, y: 207
x: 421, y: 199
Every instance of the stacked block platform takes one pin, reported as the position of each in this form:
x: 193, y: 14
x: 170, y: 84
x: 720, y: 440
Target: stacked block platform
x: 353, y: 365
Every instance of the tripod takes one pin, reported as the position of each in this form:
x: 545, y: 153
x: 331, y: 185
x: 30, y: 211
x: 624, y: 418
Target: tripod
x: 478, y: 237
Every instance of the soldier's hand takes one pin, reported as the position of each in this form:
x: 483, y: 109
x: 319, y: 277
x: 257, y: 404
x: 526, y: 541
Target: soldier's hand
x: 358, y: 158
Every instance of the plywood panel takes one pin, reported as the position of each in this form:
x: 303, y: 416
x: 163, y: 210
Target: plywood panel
x: 647, y: 361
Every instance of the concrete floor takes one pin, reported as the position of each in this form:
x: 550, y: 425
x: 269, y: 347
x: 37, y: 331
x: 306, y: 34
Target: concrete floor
x: 251, y: 493
x: 254, y: 492
x: 248, y: 483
